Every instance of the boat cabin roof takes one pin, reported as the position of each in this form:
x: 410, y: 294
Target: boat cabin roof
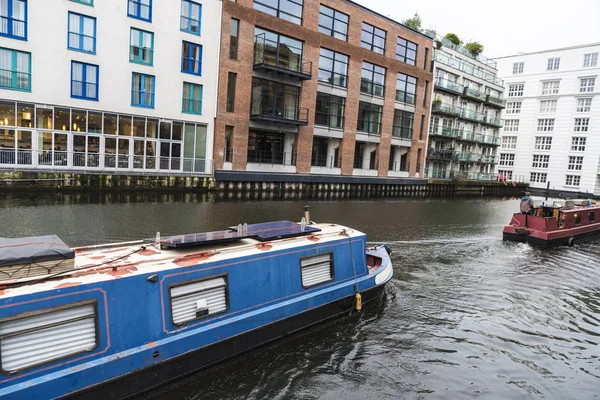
x: 113, y: 261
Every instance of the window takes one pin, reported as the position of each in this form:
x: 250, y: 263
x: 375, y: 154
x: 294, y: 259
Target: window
x: 543, y: 143
x: 421, y: 127
x: 550, y: 87
x: 538, y: 177
x: 289, y: 10
x: 84, y: 81
x: 234, y: 30
x: 142, y: 90
x: 316, y: 269
x: 15, y: 69
x: 518, y: 67
x: 509, y: 142
x: 592, y: 216
x: 515, y: 90
x: 13, y: 15
x: 553, y: 63
x: 511, y: 125
x: 198, y: 299
x: 141, y: 47
x: 77, y: 322
x: 82, y: 33
x: 573, y: 180
x: 191, y: 58
x: 333, y: 23
x: 540, y: 161
x: 333, y: 68
x: 330, y: 111
x: 547, y: 106
x: 231, y: 82
x: 586, y: 85
x: 192, y: 98
x: 369, y: 118
x: 578, y: 143
x: 372, y: 79
x: 506, y: 174
x: 278, y: 50
x: 545, y: 125
x: 403, y: 124
x: 513, y: 107
x: 584, y: 105
x: 406, y: 51
x: 507, y: 160
x: 140, y: 9
x: 406, y: 88
x: 590, y: 60
x: 582, y: 124
x: 575, y: 163
x: 372, y: 38
x: 425, y: 58
x: 191, y: 17
x: 425, y: 91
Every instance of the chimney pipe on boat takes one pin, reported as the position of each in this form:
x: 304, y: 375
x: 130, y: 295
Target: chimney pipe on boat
x: 307, y: 214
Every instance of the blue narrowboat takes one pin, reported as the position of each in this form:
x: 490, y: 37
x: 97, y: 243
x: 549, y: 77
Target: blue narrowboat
x: 111, y: 321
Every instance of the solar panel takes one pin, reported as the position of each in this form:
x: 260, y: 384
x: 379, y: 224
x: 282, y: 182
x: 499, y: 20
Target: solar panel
x: 196, y: 239
x: 278, y: 230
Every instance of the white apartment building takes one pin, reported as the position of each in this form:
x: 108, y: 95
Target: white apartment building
x: 551, y: 133
x: 108, y: 86
x: 465, y: 115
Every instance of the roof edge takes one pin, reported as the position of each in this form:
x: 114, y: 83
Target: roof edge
x: 580, y: 46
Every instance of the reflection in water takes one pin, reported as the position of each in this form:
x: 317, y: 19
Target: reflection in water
x: 466, y: 316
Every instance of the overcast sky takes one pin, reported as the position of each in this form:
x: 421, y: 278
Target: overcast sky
x: 504, y: 27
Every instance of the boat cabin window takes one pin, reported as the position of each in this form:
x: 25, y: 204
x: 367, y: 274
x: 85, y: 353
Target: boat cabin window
x: 316, y: 269
x: 592, y: 216
x: 49, y: 335
x: 577, y: 218
x: 198, y: 299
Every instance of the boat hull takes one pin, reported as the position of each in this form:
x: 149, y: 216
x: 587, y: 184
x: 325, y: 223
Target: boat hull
x: 543, y: 239
x: 163, y: 372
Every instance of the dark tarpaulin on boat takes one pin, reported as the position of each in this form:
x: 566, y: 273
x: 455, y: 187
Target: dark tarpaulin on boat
x: 27, y: 250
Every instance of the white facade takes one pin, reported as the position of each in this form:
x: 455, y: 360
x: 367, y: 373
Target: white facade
x: 127, y: 124
x: 551, y: 134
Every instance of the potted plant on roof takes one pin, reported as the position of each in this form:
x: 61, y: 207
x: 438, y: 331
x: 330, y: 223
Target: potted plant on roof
x: 475, y: 48
x: 454, y: 39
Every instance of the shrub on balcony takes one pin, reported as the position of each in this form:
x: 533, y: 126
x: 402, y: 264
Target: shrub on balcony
x: 437, y: 101
x: 454, y: 39
x: 475, y: 48
x: 438, y: 44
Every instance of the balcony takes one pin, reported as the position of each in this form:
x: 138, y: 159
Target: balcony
x: 467, y: 68
x: 448, y: 86
x: 287, y: 114
x: 489, y: 159
x: 474, y: 94
x: 445, y: 109
x: 280, y: 59
x: 445, y: 132
x: 495, y: 101
x: 492, y: 121
x: 471, y: 115
x: 465, y: 52
x: 442, y: 155
x: 468, y: 157
x: 486, y: 139
x: 271, y: 157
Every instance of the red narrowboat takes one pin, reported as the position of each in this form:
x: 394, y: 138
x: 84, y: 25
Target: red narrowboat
x: 576, y: 221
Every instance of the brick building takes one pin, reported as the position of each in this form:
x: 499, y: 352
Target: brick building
x: 320, y: 87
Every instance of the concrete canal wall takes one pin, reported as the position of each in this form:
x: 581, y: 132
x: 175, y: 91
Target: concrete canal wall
x: 259, y: 183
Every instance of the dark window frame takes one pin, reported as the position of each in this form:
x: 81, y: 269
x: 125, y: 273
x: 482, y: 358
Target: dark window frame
x: 368, y: 85
x: 234, y: 38
x: 343, y: 79
x: 402, y: 48
x: 369, y: 109
x: 231, y: 86
x: 404, y: 81
x: 334, y: 19
x: 405, y: 130
x: 277, y: 12
x: 375, y: 32
x: 330, y: 99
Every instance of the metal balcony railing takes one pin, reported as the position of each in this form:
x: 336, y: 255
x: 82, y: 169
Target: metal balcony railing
x: 325, y: 161
x: 445, y: 84
x: 276, y: 57
x: 271, y: 157
x: 467, y: 68
x: 464, y: 51
x: 474, y: 94
x: 436, y: 154
x: 401, y: 132
x: 495, y: 101
x: 285, y: 113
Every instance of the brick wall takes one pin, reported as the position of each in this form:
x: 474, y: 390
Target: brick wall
x: 313, y: 41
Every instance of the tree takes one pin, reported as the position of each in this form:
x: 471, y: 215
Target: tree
x: 474, y: 48
x: 453, y: 38
x: 414, y: 22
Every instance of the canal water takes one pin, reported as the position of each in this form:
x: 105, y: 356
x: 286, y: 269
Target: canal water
x: 466, y: 315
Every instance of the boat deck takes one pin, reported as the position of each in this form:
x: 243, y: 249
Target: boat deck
x: 116, y: 260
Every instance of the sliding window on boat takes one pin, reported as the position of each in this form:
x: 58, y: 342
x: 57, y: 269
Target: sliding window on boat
x: 592, y: 216
x: 30, y: 340
x: 197, y: 299
x: 577, y: 217
x: 316, y: 269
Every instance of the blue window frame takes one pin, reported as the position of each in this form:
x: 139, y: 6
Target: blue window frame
x: 82, y: 33
x: 15, y: 70
x: 192, y: 98
x: 191, y: 17
x: 141, y: 47
x: 84, y: 81
x: 191, y: 58
x: 86, y: 2
x: 140, y: 9
x: 142, y: 90
x: 13, y: 19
